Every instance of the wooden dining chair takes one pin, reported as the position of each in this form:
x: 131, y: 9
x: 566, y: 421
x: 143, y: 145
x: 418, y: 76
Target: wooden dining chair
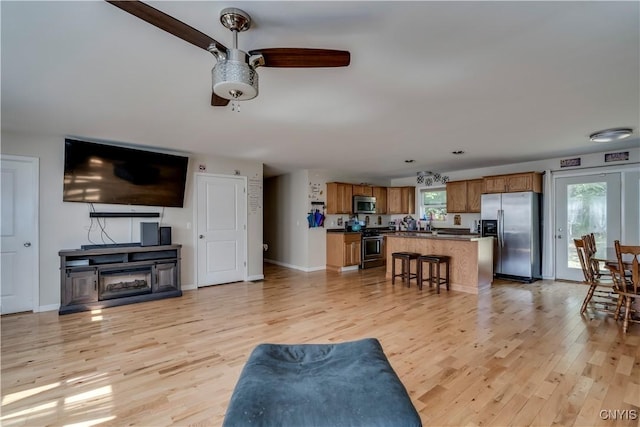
x: 626, y: 285
x: 601, y: 289
x: 590, y: 243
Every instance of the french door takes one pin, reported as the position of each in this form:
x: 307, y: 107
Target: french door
x: 585, y: 204
x: 221, y: 229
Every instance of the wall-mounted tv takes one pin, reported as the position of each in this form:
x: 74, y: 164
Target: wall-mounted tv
x: 101, y: 173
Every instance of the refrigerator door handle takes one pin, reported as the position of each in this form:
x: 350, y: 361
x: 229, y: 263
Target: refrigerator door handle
x: 501, y: 227
x: 498, y: 227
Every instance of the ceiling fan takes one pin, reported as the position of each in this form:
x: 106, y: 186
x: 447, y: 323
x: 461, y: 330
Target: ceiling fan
x: 234, y: 75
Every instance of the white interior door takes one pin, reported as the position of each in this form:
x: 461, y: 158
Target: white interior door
x: 19, y: 230
x: 585, y: 204
x: 221, y: 229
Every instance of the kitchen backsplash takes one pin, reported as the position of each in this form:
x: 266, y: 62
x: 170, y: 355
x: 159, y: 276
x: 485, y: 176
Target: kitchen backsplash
x: 467, y: 220
x: 338, y: 221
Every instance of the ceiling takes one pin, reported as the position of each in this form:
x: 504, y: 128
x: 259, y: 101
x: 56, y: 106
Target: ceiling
x: 503, y: 81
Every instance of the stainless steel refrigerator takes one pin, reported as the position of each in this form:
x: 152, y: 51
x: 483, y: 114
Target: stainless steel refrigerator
x: 513, y: 219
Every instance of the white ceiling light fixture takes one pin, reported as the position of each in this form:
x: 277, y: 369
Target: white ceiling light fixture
x: 610, y: 135
x: 234, y: 76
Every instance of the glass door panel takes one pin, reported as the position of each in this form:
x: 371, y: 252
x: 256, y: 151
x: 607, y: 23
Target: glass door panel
x: 585, y: 204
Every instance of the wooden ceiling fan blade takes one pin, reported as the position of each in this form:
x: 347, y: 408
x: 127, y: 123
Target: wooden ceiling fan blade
x: 303, y: 58
x: 167, y: 23
x: 218, y: 101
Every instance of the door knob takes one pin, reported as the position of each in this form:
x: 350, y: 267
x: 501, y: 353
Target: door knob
x: 201, y: 236
x: 27, y: 244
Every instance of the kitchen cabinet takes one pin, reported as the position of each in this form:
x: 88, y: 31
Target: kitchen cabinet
x: 362, y: 190
x: 394, y: 200
x: 464, y: 196
x: 401, y: 200
x: 408, y: 200
x: 494, y: 184
x: 513, y: 183
x: 456, y: 196
x: 530, y: 181
x: 352, y: 249
x: 343, y: 250
x: 339, y: 198
x: 380, y: 193
x: 474, y: 193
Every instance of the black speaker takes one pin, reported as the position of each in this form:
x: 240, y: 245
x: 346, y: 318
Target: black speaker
x: 165, y: 235
x: 148, y: 234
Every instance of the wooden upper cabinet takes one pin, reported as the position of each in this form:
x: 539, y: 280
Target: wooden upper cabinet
x: 408, y: 200
x: 389, y: 200
x: 362, y: 190
x: 339, y: 198
x: 401, y: 200
x: 513, y: 183
x: 380, y: 193
x: 394, y: 200
x: 457, y: 196
x: 464, y: 196
x: 474, y: 193
x: 530, y: 181
x: 495, y: 184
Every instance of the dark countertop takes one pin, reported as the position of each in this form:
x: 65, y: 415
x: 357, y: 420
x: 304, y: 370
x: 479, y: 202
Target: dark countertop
x: 386, y: 230
x: 341, y: 230
x: 439, y: 236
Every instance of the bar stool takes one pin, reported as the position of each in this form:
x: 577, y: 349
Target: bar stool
x: 433, y: 261
x: 406, y: 273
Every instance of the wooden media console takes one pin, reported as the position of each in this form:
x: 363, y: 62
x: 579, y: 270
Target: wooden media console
x: 108, y: 276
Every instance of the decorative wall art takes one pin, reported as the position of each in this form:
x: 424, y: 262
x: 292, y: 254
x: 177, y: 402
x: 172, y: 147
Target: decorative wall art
x: 430, y: 178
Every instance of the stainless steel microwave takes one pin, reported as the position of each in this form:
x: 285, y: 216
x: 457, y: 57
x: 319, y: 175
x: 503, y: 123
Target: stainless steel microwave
x: 364, y: 205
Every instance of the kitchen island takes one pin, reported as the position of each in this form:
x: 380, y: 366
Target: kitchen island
x: 471, y: 265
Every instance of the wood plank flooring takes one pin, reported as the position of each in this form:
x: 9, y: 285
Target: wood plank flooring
x: 518, y: 354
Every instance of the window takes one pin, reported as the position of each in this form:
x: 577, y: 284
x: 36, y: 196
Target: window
x: 434, y: 204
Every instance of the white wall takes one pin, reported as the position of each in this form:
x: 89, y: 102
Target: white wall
x: 64, y: 225
x: 287, y: 203
x: 285, y: 219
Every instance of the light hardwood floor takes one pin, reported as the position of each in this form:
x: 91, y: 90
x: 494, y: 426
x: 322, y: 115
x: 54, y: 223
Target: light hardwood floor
x: 518, y: 354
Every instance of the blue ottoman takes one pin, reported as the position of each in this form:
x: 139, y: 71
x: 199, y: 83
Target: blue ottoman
x: 332, y: 385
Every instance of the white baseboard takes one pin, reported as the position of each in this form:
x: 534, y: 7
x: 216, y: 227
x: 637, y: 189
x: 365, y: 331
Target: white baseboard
x: 294, y: 267
x: 50, y: 307
x: 255, y: 278
x: 189, y: 287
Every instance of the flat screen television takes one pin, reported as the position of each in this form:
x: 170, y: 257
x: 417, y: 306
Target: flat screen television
x: 101, y: 173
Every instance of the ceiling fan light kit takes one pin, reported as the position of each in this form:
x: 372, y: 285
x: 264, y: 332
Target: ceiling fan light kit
x: 234, y: 77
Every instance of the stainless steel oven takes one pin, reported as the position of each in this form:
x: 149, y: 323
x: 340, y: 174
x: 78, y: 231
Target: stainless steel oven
x: 372, y: 249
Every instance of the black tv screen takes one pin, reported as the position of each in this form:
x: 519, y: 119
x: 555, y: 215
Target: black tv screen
x: 101, y: 173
